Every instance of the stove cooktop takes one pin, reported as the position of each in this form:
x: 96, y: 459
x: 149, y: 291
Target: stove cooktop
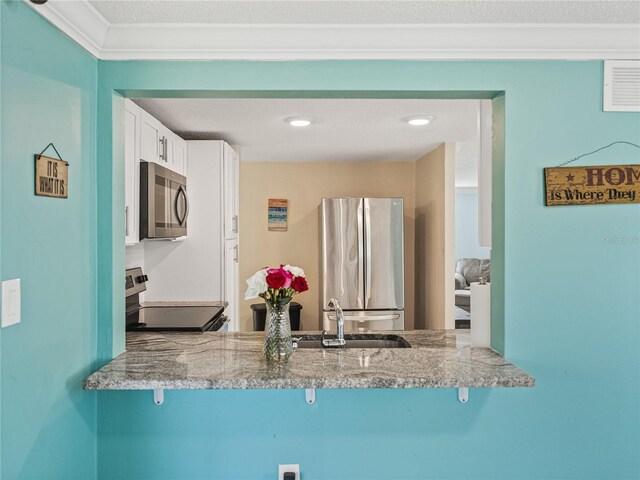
x: 180, y: 318
x: 176, y: 318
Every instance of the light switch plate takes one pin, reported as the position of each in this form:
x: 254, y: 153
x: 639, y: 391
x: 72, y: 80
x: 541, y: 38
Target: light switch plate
x: 282, y: 469
x: 10, y: 302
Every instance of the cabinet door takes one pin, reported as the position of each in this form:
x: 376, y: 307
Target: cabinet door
x: 180, y: 156
x: 231, y: 283
x: 231, y: 189
x: 151, y: 141
x: 131, y: 171
x: 169, y: 146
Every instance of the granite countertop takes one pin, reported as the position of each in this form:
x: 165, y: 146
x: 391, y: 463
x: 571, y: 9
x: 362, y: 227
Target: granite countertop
x: 212, y: 360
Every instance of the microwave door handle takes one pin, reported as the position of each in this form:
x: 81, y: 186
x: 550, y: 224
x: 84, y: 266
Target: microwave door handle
x: 186, y: 204
x: 180, y: 220
x: 175, y: 205
x: 183, y: 192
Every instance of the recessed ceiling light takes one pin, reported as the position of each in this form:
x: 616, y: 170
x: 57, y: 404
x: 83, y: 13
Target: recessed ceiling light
x: 419, y: 120
x: 298, y: 121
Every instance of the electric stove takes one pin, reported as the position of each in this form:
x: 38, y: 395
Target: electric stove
x: 178, y: 317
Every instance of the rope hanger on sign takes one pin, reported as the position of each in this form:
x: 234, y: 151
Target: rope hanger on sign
x: 596, y: 151
x: 56, y: 150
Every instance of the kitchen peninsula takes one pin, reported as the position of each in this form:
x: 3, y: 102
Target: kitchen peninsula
x: 436, y: 359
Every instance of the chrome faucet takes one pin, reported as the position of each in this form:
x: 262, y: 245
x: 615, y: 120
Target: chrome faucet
x: 339, y: 340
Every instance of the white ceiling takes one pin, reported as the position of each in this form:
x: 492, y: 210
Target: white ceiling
x: 366, y: 11
x: 342, y: 130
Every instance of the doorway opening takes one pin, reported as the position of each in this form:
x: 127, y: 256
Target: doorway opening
x: 336, y: 163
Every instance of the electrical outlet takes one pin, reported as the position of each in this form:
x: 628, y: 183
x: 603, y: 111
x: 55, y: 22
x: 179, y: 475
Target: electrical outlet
x: 10, y: 302
x: 295, y: 469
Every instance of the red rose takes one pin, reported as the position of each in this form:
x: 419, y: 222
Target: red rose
x: 276, y: 278
x: 299, y: 284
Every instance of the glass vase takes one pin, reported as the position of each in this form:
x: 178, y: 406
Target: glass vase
x: 277, y: 346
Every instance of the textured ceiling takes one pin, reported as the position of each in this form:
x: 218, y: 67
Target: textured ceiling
x: 367, y: 12
x: 343, y: 129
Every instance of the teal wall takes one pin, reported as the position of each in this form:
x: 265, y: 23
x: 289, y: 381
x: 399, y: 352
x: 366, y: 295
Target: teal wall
x: 571, y: 304
x: 467, y: 242
x: 48, y: 94
x: 571, y: 281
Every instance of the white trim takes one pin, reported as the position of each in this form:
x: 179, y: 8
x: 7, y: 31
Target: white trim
x: 485, y: 175
x: 80, y: 21
x: 467, y: 189
x: 426, y: 42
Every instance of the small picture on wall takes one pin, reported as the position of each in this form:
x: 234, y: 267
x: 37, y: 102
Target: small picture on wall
x: 277, y: 214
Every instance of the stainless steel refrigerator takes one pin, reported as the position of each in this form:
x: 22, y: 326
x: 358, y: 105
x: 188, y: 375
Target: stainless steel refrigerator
x: 362, y: 262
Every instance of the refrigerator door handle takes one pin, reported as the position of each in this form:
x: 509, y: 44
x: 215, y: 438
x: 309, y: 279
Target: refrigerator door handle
x: 362, y: 270
x: 367, y: 251
x: 360, y: 318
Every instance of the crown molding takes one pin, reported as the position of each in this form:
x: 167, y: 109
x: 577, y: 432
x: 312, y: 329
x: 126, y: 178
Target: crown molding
x: 346, y: 42
x: 81, y: 22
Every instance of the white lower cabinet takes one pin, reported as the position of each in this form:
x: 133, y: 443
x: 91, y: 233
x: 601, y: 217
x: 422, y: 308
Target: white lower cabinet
x: 231, y: 281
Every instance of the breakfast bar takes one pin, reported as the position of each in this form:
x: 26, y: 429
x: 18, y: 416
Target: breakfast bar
x: 181, y: 360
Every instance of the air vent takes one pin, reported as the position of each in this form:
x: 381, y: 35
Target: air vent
x: 621, y: 86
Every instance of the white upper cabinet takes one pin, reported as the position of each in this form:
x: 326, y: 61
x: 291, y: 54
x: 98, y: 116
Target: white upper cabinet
x: 145, y: 138
x: 160, y: 145
x: 176, y: 153
x: 180, y: 156
x: 151, y: 143
x: 169, y: 145
x: 231, y: 176
x: 132, y: 171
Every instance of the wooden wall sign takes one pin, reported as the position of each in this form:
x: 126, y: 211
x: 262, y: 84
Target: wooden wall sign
x: 592, y: 185
x: 277, y: 214
x: 52, y: 177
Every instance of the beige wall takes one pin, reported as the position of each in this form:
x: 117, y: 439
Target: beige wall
x: 304, y: 185
x: 435, y: 238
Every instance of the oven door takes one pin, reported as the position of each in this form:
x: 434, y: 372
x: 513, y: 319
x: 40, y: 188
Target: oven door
x: 164, y: 205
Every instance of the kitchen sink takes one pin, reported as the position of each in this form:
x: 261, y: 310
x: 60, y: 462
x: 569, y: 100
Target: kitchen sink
x: 354, y: 340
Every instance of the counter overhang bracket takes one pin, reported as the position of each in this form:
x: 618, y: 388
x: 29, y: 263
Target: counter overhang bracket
x: 463, y: 394
x: 158, y: 396
x: 310, y: 395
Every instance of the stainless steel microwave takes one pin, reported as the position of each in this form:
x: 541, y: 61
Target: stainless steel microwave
x: 164, y: 205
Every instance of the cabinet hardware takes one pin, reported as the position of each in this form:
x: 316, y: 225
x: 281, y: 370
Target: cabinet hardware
x: 164, y: 142
x: 234, y: 224
x: 126, y: 221
x: 235, y: 253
